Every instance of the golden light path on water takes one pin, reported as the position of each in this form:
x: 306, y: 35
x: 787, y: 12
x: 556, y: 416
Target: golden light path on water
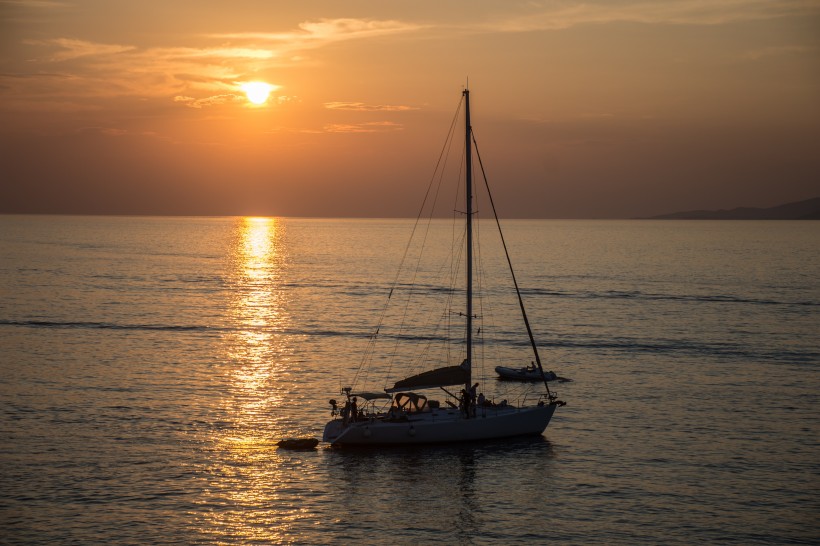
x: 246, y: 470
x: 150, y: 364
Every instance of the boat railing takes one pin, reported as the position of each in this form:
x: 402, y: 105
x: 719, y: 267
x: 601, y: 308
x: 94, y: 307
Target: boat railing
x: 537, y: 397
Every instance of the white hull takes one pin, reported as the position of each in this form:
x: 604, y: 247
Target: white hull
x: 443, y: 425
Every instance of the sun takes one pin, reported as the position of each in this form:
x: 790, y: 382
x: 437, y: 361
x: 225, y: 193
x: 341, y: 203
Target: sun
x: 257, y: 92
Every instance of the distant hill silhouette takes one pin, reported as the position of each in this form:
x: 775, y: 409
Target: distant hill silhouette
x: 800, y: 210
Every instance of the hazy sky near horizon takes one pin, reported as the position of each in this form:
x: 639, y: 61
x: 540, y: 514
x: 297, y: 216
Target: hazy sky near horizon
x: 584, y: 109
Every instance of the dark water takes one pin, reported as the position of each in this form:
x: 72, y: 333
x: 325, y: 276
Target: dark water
x: 149, y: 365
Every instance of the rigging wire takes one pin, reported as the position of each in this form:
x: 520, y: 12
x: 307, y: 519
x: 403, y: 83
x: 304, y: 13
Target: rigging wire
x: 512, y: 272
x: 370, y: 347
x: 413, y: 286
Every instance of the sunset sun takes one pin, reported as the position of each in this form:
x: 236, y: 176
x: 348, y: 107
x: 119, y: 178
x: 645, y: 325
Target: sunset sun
x: 257, y: 92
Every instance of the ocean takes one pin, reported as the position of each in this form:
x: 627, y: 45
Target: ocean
x: 149, y: 365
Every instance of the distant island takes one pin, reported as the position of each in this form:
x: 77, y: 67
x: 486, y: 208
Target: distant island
x: 800, y: 210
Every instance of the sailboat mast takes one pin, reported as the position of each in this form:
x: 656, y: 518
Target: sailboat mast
x: 469, y: 198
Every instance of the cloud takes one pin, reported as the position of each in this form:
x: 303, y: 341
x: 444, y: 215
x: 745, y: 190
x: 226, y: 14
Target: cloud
x: 196, y: 76
x: 312, y: 34
x: 35, y: 4
x: 91, y: 70
x: 361, y: 107
x: 217, y: 53
x: 73, y: 49
x: 679, y: 12
x: 369, y: 127
x: 208, y: 101
x: 775, y: 51
x: 107, y: 131
x: 34, y: 75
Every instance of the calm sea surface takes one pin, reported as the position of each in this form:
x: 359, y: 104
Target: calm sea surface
x: 149, y: 365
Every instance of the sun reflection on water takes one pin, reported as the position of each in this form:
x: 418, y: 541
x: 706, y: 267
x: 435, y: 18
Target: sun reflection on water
x: 258, y: 313
x: 245, y: 470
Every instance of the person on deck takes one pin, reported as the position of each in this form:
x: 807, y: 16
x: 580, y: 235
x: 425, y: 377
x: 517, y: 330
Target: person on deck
x: 464, y: 402
x: 354, y: 412
x: 473, y: 398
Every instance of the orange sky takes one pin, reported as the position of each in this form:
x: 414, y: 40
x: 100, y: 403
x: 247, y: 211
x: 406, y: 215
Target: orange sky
x: 588, y: 109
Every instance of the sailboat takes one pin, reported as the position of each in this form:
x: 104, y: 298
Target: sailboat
x: 408, y: 415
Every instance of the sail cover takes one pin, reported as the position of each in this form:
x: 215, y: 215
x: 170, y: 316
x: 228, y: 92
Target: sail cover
x: 371, y: 395
x: 440, y: 377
